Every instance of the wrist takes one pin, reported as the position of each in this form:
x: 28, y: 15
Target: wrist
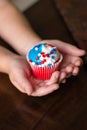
x: 28, y: 45
x: 5, y: 59
x: 9, y: 62
x: 6, y: 64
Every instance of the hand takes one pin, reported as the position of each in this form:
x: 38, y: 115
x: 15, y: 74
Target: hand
x: 71, y: 59
x: 21, y: 77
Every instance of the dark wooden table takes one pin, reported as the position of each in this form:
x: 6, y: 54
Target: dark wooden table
x: 64, y: 109
x: 74, y: 13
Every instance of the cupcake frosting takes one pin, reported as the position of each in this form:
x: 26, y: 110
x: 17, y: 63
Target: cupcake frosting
x: 43, y: 55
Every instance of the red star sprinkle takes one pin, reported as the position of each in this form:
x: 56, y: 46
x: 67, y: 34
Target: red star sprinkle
x: 30, y: 60
x: 42, y: 53
x: 51, y: 45
x: 47, y: 55
x: 42, y: 62
x: 51, y: 52
x: 37, y: 58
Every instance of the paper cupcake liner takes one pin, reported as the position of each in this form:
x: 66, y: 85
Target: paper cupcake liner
x: 45, y: 73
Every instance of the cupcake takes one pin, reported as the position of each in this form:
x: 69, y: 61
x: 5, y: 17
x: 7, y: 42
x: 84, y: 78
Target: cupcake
x: 44, y: 59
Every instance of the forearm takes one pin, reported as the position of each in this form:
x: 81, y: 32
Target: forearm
x: 15, y: 29
x: 5, y: 59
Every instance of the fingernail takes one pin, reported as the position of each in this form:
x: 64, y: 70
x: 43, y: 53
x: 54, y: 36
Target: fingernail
x: 56, y: 88
x: 75, y: 74
x: 68, y: 75
x: 63, y: 81
x: 84, y: 51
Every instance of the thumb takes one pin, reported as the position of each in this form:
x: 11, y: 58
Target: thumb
x: 54, y: 78
x: 68, y: 48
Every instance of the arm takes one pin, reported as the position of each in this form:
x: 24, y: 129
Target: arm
x: 15, y: 29
x: 5, y: 59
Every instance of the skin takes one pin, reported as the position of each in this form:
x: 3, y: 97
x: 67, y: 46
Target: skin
x: 16, y: 30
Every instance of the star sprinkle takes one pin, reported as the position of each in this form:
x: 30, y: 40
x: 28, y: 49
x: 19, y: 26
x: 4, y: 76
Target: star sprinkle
x: 43, y: 55
x: 36, y: 48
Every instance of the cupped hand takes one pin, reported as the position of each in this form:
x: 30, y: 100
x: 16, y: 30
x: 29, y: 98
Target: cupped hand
x: 71, y: 62
x: 21, y: 77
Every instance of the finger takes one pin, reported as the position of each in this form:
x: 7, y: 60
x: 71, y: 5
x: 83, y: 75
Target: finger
x: 62, y: 76
x: 72, y: 71
x: 42, y: 91
x: 75, y: 61
x: 75, y: 71
x: 54, y: 78
x: 63, y: 81
x: 69, y: 68
x: 68, y: 48
x: 69, y: 75
x: 78, y: 62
